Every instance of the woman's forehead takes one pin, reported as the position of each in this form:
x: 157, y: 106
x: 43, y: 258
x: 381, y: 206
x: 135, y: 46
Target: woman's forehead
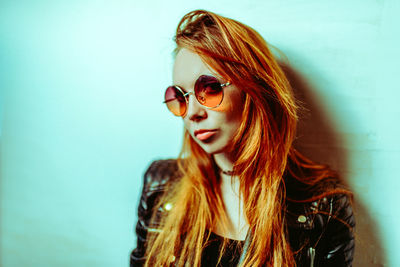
x: 188, y: 66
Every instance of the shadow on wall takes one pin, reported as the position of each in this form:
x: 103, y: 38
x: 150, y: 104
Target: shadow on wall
x: 319, y: 140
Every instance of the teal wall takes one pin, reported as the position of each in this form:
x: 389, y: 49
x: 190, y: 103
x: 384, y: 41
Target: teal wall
x: 81, y: 90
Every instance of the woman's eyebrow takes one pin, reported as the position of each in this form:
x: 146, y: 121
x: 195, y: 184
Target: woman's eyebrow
x: 219, y: 78
x: 183, y: 87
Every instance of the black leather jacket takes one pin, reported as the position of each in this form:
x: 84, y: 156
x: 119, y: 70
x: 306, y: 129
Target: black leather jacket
x: 320, y: 232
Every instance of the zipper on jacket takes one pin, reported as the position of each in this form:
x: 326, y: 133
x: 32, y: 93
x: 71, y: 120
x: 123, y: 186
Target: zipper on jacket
x: 245, y: 247
x: 312, y: 256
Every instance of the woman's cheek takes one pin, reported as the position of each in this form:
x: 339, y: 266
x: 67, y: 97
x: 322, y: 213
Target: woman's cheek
x: 232, y: 107
x: 228, y: 103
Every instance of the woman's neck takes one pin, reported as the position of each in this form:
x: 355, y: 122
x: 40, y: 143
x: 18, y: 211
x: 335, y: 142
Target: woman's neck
x: 225, y: 164
x: 230, y: 184
x: 223, y: 161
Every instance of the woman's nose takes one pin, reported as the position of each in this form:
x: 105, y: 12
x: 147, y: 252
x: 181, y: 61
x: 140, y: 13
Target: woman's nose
x: 195, y: 111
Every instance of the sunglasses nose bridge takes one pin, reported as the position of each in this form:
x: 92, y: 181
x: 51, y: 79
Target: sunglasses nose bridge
x: 193, y: 106
x: 186, y: 95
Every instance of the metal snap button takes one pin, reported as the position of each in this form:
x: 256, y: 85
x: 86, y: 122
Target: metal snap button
x: 167, y: 206
x: 302, y: 219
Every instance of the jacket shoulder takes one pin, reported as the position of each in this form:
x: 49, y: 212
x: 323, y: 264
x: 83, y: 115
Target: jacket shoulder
x: 156, y: 179
x: 319, y: 218
x: 160, y: 173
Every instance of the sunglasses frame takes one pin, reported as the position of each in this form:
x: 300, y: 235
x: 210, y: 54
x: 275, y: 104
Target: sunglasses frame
x: 186, y: 95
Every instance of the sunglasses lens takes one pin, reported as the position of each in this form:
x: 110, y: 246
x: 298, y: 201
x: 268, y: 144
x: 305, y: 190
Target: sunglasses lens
x: 208, y: 91
x: 175, y: 101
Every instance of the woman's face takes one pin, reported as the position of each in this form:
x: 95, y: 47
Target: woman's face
x: 212, y: 129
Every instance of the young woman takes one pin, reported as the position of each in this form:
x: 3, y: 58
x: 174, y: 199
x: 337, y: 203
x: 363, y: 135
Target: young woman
x: 239, y: 194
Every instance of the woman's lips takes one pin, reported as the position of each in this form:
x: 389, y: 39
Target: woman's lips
x: 204, y: 134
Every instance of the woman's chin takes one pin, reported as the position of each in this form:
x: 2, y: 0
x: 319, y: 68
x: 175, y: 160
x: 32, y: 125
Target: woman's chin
x: 212, y: 149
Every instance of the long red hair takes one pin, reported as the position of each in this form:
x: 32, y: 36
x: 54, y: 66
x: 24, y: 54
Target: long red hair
x: 261, y: 149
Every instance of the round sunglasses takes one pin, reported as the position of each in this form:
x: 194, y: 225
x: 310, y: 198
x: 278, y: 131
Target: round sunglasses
x: 207, y: 90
